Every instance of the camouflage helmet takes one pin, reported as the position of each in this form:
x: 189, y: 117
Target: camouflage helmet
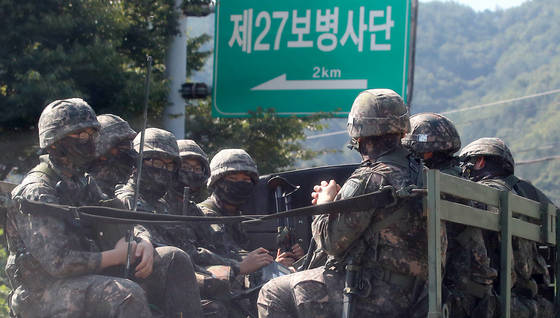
x: 158, y: 141
x: 491, y: 147
x: 232, y: 160
x: 113, y: 131
x: 63, y: 117
x: 377, y: 112
x: 431, y: 132
x: 190, y: 149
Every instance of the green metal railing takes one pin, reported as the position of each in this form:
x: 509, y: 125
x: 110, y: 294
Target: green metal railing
x: 541, y: 228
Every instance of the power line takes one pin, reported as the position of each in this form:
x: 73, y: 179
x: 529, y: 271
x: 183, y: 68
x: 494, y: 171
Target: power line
x: 503, y: 101
x: 543, y: 147
x: 333, y: 133
x: 538, y: 160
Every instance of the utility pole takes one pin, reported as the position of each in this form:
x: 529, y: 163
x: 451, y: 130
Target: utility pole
x: 176, y: 72
x: 176, y: 68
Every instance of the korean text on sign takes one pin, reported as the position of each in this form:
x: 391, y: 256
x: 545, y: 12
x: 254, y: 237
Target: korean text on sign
x: 307, y: 29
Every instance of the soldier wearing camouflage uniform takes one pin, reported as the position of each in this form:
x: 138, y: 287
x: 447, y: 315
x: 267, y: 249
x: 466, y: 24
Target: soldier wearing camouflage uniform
x: 55, y: 268
x: 193, y: 172
x: 232, y: 180
x: 160, y: 162
x: 489, y: 161
x: 114, y: 153
x: 468, y: 276
x: 385, y: 248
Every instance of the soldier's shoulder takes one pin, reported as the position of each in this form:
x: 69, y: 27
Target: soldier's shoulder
x: 38, y: 185
x: 208, y: 207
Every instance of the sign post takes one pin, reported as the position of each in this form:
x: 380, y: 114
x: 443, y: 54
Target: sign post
x: 304, y: 57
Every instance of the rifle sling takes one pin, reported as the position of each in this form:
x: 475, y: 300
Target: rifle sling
x: 113, y: 215
x: 383, y: 198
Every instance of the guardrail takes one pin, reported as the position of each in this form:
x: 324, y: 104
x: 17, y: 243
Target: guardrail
x: 542, y: 228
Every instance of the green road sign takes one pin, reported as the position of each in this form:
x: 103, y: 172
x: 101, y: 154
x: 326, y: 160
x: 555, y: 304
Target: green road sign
x: 303, y: 57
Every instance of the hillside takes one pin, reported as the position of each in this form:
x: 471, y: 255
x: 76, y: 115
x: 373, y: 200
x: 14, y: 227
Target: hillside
x: 467, y: 58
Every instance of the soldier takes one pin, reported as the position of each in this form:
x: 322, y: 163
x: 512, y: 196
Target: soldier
x: 489, y: 161
x: 193, y: 173
x: 232, y: 180
x: 54, y: 267
x: 115, y: 156
x: 382, y: 252
x: 160, y: 163
x: 468, y: 276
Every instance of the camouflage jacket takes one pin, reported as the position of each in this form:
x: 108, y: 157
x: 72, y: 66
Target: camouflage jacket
x: 189, y: 238
x: 125, y: 194
x: 228, y: 240
x: 400, y: 247
x: 44, y: 248
x: 528, y: 265
x: 175, y: 200
x: 467, y: 257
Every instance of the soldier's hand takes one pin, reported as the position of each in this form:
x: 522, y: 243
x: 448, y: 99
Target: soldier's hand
x: 325, y: 192
x: 285, y: 258
x: 254, y: 261
x: 145, y: 250
x: 117, y: 256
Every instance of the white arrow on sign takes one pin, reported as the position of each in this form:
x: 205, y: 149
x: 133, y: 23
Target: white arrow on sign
x: 280, y: 83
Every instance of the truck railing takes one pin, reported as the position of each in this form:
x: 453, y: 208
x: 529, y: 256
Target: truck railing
x: 540, y: 226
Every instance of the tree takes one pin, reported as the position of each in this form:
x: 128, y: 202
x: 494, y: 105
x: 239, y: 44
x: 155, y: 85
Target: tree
x: 94, y: 49
x: 274, y: 142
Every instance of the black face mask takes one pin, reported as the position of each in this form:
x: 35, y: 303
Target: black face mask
x: 191, y: 179
x: 114, y: 170
x: 234, y: 192
x: 79, y: 154
x: 155, y: 181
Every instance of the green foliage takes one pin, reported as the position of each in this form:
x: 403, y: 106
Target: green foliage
x: 195, y: 57
x: 274, y: 142
x: 466, y: 58
x: 90, y: 48
x: 197, y: 8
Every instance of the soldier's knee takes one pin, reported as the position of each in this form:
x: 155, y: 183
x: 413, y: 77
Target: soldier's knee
x: 274, y: 298
x: 126, y: 298
x: 176, y: 256
x: 126, y: 289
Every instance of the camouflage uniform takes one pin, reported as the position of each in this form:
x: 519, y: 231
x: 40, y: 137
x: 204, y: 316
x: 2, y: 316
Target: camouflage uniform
x: 228, y: 241
x: 160, y: 144
x: 112, y: 169
x: 392, y: 259
x: 468, y: 276
x: 54, y: 266
x: 528, y: 265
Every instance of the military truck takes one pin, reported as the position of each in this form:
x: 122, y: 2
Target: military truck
x: 511, y: 216
x: 507, y: 213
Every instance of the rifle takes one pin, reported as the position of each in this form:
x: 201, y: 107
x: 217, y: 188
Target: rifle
x: 130, y: 234
x: 286, y: 227
x: 353, y: 279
